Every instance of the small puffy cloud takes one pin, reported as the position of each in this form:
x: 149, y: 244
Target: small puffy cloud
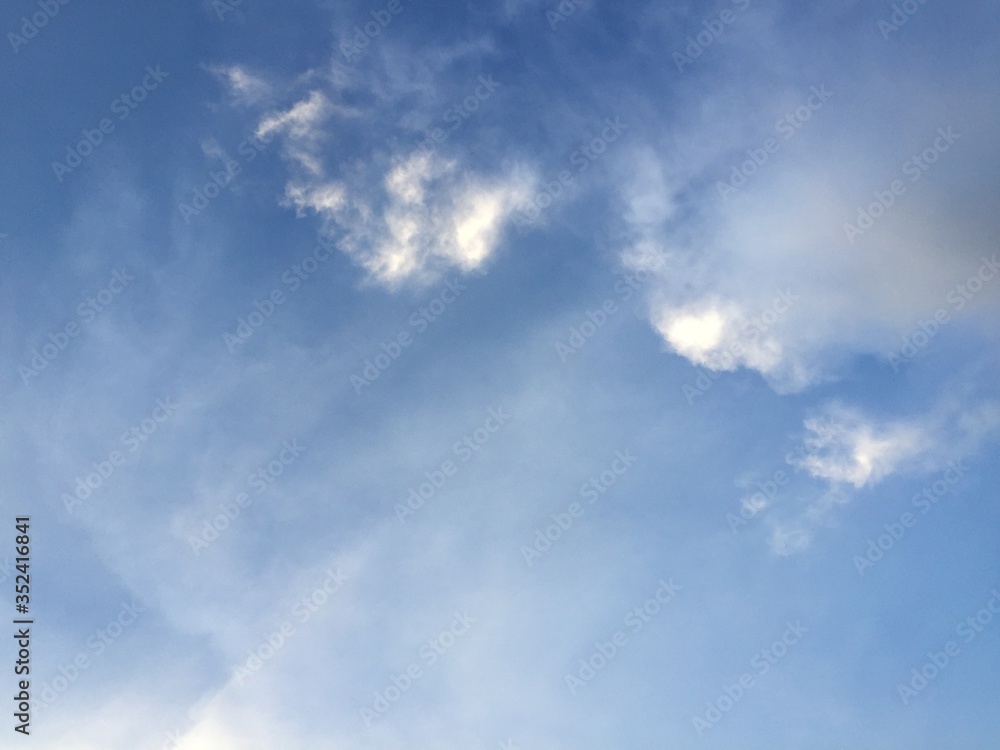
x: 787, y: 540
x: 850, y: 451
x: 429, y: 217
x: 243, y: 86
x: 844, y: 446
x: 695, y: 334
x: 719, y: 336
x: 327, y: 198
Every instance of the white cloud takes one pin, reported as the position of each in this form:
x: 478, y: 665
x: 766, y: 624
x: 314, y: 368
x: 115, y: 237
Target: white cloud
x: 244, y: 87
x: 844, y: 446
x: 718, y: 260
x: 720, y: 336
x: 850, y: 451
x: 430, y: 217
x: 404, y: 216
x: 300, y: 121
x: 301, y: 126
x: 327, y: 198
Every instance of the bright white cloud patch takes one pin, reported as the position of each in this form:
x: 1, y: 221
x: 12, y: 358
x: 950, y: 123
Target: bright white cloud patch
x: 721, y: 337
x: 428, y: 217
x: 694, y: 334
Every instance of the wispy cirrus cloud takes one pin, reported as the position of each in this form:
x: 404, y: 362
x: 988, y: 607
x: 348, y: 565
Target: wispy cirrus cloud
x: 850, y: 451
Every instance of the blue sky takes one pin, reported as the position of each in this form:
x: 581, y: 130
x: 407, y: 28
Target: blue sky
x: 506, y: 374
